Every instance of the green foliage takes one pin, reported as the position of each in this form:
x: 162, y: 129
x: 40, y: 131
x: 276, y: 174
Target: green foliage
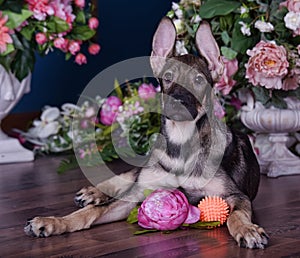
x: 213, y: 8
x: 16, y: 19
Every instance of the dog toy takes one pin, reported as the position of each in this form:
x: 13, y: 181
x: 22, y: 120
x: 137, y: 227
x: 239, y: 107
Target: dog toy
x: 213, y: 208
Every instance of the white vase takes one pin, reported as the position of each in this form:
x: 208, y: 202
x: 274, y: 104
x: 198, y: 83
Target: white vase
x: 273, y: 127
x: 11, y: 91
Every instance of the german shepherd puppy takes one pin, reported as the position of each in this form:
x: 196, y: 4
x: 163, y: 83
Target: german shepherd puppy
x: 199, y: 155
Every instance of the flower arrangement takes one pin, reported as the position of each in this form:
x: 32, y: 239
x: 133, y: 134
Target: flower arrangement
x: 41, y: 26
x: 112, y: 126
x: 166, y: 210
x: 259, y: 43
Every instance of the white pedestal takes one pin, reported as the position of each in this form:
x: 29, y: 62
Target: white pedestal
x: 12, y: 151
x: 278, y: 160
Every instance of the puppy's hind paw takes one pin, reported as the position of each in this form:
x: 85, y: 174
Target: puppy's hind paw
x: 252, y: 236
x: 89, y: 195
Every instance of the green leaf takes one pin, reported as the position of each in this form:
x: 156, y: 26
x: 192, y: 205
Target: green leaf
x: 23, y: 62
x: 261, y: 94
x: 225, y: 37
x: 80, y: 17
x: 132, y: 217
x: 240, y: 42
x: 228, y: 53
x: 27, y: 32
x: 140, y: 232
x: 57, y: 25
x: 16, y: 19
x: 10, y: 48
x: 213, y: 8
x: 147, y: 192
x: 68, y: 56
x: 17, y: 43
x: 118, y: 89
x: 83, y: 33
x: 204, y: 224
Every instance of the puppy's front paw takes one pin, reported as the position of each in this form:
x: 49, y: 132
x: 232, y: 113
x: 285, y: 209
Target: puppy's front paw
x: 43, y: 226
x: 89, y: 195
x: 251, y: 236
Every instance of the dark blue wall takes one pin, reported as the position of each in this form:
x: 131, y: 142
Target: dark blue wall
x: 125, y: 31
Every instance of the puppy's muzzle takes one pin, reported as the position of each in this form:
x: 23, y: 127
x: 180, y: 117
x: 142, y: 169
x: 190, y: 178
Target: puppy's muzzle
x: 179, y: 108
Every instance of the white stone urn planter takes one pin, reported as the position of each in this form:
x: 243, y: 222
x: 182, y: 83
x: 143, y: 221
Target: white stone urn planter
x: 11, y: 91
x: 273, y: 127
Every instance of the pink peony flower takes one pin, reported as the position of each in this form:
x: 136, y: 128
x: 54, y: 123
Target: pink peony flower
x: 267, y: 65
x: 226, y: 82
x: 80, y: 59
x: 40, y: 8
x: 61, y: 43
x: 94, y: 49
x: 40, y: 38
x: 5, y: 38
x: 109, y: 110
x: 93, y: 23
x: 80, y: 3
x: 74, y: 47
x: 147, y: 91
x: 291, y: 5
x: 166, y: 210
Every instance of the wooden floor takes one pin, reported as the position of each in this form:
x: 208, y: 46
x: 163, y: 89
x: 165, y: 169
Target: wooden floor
x: 31, y: 189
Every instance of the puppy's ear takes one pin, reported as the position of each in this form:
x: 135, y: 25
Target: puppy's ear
x: 209, y: 49
x: 162, y: 45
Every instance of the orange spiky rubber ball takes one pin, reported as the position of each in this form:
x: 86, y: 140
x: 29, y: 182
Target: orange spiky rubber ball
x: 213, y: 208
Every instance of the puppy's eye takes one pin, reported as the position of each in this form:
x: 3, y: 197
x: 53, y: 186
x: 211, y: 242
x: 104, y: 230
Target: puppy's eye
x: 199, y: 79
x: 168, y: 77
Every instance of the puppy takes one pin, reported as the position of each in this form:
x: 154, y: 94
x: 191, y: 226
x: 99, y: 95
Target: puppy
x: 197, y: 153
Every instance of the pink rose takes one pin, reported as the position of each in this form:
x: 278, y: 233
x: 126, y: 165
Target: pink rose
x: 93, y: 23
x: 40, y: 38
x: 94, y: 49
x: 226, y: 82
x: 74, y: 47
x: 80, y: 59
x: 166, y: 210
x: 109, y: 110
x: 80, y: 3
x: 267, y: 65
x: 292, y: 5
x: 61, y: 43
x: 146, y: 91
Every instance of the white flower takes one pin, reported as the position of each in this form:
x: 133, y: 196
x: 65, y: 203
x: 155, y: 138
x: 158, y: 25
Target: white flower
x: 177, y: 10
x: 263, y: 26
x: 180, y: 48
x: 175, y: 6
x: 292, y: 20
x: 245, y: 29
x: 47, y: 125
x: 196, y: 19
x: 244, y: 10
